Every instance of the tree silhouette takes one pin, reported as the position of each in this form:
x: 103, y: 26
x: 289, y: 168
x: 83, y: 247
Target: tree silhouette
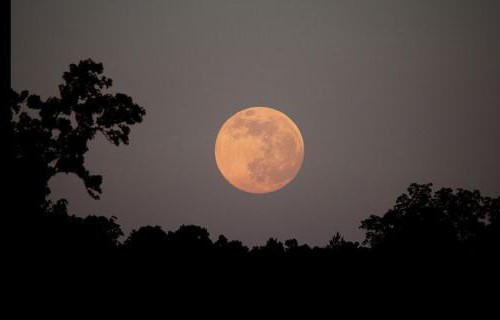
x: 272, y: 248
x: 294, y: 249
x: 225, y: 248
x: 190, y: 240
x: 439, y: 223
x: 339, y: 247
x: 148, y: 239
x: 51, y: 136
x: 187, y: 241
x: 47, y: 137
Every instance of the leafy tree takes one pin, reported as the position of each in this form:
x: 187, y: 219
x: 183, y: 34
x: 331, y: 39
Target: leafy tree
x: 272, y: 248
x: 293, y: 248
x: 338, y: 243
x: 444, y: 222
x: 147, y: 239
x: 47, y: 137
x: 191, y: 240
x: 51, y: 136
x: 291, y: 244
x: 226, y: 248
x: 57, y: 232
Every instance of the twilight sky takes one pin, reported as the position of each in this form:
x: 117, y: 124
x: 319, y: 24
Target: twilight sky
x: 385, y: 93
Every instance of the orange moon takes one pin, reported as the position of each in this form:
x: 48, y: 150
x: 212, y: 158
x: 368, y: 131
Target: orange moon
x: 259, y: 150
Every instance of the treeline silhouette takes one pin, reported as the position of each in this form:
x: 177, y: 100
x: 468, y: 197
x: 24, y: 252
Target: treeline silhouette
x: 47, y: 137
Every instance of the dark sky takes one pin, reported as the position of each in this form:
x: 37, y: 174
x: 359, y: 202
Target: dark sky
x: 385, y: 93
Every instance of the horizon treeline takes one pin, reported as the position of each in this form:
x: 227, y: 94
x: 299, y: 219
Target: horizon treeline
x: 46, y: 137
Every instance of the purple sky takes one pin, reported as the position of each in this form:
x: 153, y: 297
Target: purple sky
x: 385, y: 93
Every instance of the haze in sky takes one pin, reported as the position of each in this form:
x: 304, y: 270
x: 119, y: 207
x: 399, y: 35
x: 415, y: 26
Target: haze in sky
x: 385, y: 93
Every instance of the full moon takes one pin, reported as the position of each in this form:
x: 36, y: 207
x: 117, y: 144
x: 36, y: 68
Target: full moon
x: 259, y: 150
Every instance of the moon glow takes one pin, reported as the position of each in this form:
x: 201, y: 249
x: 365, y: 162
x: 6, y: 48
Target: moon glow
x: 259, y: 150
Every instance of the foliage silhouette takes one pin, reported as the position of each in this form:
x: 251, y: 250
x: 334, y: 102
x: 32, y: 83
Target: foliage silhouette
x: 272, y: 248
x: 52, y: 136
x: 436, y: 224
x: 234, y: 248
x: 148, y: 239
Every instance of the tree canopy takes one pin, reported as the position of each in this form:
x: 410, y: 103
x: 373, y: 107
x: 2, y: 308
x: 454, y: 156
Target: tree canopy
x: 437, y: 223
x: 52, y: 136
